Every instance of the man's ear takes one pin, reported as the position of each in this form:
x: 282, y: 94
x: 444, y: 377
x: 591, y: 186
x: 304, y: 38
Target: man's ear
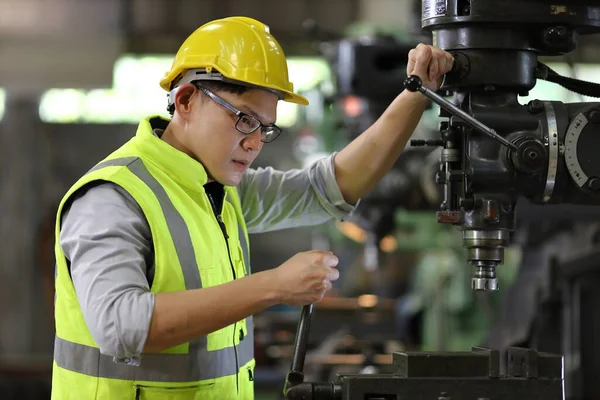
x: 184, y: 98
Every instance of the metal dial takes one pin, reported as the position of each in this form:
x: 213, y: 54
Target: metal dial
x: 552, y: 143
x: 571, y: 141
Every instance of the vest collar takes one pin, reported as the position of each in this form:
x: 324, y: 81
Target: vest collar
x: 176, y: 164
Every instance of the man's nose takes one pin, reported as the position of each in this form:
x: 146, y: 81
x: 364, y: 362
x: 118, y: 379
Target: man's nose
x: 252, y: 141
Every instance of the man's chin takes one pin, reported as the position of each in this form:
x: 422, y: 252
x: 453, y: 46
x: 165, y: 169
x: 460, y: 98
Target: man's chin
x: 233, y: 179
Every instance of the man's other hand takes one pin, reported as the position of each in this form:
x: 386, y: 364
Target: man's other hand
x: 429, y: 63
x: 306, y: 277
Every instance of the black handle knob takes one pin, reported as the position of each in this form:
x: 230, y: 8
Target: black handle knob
x: 413, y: 83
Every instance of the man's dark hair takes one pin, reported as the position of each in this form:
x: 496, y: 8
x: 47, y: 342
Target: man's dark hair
x: 216, y: 86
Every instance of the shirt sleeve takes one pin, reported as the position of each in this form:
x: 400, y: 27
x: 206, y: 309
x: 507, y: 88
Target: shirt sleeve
x: 273, y: 200
x: 107, y: 241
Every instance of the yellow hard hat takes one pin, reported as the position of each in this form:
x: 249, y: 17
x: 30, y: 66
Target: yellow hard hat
x: 235, y: 49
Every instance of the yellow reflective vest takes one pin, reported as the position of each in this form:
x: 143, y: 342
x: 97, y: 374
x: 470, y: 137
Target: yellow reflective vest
x: 193, y: 248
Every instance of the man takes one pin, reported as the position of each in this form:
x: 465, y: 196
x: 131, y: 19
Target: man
x: 153, y: 293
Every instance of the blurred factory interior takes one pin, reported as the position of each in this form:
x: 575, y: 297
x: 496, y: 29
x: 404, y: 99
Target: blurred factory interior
x: 77, y: 75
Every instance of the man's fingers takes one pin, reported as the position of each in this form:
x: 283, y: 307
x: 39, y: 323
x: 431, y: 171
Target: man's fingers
x: 333, y: 274
x: 422, y: 63
x: 324, y: 286
x: 412, y: 59
x: 325, y: 257
x: 331, y: 260
x: 446, y: 61
x: 429, y: 62
x: 433, y: 69
x: 442, y: 64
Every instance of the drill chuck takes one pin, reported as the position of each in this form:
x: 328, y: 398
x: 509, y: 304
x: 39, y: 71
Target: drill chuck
x: 485, y: 252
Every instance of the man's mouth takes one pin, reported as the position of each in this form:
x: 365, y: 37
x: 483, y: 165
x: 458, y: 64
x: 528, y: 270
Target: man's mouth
x: 242, y: 162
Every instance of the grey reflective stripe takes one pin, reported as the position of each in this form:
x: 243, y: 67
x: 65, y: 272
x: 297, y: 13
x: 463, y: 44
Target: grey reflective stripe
x: 245, y: 349
x: 175, y: 222
x: 199, y: 363
x: 245, y: 251
x: 115, y: 162
x: 177, y: 227
x: 243, y: 241
x: 196, y: 366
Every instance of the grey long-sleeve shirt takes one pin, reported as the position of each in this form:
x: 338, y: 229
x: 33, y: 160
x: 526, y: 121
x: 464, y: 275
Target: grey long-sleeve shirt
x: 107, y: 240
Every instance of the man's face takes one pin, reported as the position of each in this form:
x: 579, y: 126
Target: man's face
x: 210, y: 135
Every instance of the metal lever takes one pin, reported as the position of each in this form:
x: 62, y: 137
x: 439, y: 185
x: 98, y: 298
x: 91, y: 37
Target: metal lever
x: 296, y: 375
x: 295, y: 388
x: 413, y: 84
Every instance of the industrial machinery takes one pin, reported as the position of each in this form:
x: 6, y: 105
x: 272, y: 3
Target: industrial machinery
x: 435, y: 375
x: 494, y: 152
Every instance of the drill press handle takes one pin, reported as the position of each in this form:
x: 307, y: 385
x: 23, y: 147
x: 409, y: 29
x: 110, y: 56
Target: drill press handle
x: 295, y: 388
x: 414, y: 84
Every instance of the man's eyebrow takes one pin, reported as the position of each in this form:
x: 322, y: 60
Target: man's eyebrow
x: 250, y: 111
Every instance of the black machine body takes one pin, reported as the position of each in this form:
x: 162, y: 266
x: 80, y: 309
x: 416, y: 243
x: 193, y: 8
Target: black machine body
x: 543, y: 150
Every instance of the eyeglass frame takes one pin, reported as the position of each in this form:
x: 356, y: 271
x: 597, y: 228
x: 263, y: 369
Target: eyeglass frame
x: 240, y: 114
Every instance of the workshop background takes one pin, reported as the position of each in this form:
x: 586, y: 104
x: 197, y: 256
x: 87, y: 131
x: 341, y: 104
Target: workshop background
x: 77, y: 75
